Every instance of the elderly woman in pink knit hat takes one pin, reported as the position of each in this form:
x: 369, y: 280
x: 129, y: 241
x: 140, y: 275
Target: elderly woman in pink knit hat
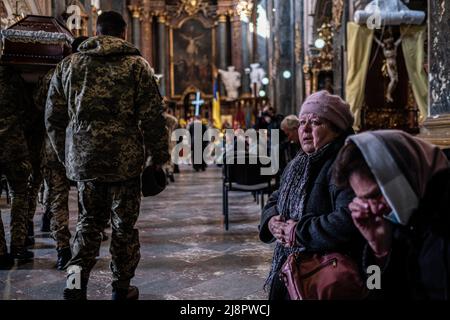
x: 308, y: 212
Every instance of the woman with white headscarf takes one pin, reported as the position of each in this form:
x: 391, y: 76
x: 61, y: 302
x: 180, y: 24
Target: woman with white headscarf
x: 402, y: 209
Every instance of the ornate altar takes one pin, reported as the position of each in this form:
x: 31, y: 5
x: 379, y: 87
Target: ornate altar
x: 34, y: 45
x: 395, y: 86
x: 187, y: 42
x: 192, y: 56
x: 389, y: 100
x: 318, y: 67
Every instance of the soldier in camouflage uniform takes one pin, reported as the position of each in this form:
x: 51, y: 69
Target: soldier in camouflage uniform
x: 34, y: 134
x: 14, y: 162
x: 56, y: 184
x: 104, y: 118
x: 171, y: 125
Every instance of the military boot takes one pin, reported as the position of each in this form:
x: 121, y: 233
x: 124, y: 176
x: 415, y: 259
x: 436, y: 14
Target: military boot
x: 132, y: 293
x: 29, y: 240
x: 64, y: 256
x: 21, y: 254
x: 45, y: 227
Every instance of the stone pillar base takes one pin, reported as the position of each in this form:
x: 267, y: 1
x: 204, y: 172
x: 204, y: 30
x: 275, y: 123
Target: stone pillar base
x: 436, y: 130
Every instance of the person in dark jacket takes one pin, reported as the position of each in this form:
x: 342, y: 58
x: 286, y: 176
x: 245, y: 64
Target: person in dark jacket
x: 308, y: 204
x: 197, y: 130
x: 290, y: 146
x: 402, y: 206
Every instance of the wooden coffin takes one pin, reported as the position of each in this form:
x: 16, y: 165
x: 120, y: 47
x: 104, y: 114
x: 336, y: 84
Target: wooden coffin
x: 34, y: 45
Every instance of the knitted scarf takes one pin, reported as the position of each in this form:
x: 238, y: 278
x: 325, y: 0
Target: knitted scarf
x: 291, y: 200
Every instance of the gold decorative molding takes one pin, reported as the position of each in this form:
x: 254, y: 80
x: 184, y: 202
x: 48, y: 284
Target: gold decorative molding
x: 191, y: 7
x: 226, y: 12
x: 145, y: 15
x: 162, y: 19
x: 325, y: 59
x: 298, y: 44
x: 244, y: 8
x: 338, y: 9
x: 436, y: 130
x: 135, y: 11
x: 222, y: 18
x: 321, y: 62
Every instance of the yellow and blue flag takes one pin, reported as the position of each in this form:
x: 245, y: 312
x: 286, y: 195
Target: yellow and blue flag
x: 216, y: 106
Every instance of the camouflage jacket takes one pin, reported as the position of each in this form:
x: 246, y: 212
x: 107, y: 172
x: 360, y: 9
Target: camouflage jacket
x: 13, y: 145
x: 104, y: 113
x: 48, y: 154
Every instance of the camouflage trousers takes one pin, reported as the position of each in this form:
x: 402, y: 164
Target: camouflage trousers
x: 17, y: 174
x: 56, y: 203
x: 100, y: 202
x: 34, y: 185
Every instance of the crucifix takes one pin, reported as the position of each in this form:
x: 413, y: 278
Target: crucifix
x: 197, y: 103
x: 17, y: 15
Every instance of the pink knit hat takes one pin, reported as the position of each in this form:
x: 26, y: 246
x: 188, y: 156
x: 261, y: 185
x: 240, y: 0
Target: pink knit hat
x: 330, y: 107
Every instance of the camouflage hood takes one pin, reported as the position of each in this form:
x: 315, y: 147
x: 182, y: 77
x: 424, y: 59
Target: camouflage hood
x: 107, y: 45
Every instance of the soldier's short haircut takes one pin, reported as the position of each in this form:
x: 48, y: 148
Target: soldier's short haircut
x: 111, y: 23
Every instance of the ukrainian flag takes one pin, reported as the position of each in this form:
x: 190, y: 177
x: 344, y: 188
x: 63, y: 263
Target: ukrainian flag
x: 216, y: 106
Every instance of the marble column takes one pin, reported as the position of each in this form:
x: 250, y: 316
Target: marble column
x: 222, y: 41
x: 58, y: 8
x: 222, y: 45
x: 146, y: 44
x: 245, y: 53
x: 339, y: 44
x: 236, y: 41
x: 436, y: 128
x: 298, y: 56
x: 136, y: 27
x: 162, y: 53
x: 283, y: 30
x: 272, y: 53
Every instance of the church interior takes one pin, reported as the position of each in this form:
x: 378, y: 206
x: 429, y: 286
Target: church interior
x: 224, y: 65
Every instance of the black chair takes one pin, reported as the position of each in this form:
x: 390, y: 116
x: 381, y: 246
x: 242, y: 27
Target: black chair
x: 447, y: 153
x: 245, y: 177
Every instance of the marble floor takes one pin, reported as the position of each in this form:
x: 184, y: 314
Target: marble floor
x: 186, y: 253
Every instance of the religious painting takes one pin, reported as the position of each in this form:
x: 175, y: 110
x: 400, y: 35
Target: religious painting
x: 192, y: 57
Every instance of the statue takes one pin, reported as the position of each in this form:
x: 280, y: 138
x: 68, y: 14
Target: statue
x: 390, y: 66
x: 158, y: 78
x: 256, y: 75
x: 232, y: 81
